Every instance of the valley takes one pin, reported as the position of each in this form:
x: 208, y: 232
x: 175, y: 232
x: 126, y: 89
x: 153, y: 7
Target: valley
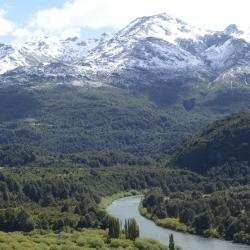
x: 159, y: 107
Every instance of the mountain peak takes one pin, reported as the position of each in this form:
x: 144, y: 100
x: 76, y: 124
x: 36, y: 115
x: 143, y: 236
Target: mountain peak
x: 163, y: 16
x: 232, y: 29
x: 72, y: 39
x: 162, y: 26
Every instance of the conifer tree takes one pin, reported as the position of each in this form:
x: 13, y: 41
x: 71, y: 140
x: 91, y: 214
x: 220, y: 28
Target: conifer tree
x: 132, y: 230
x: 114, y: 228
x: 126, y: 229
x: 171, y: 242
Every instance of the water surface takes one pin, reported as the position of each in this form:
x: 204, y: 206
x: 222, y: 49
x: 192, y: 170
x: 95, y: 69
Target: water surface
x: 128, y: 208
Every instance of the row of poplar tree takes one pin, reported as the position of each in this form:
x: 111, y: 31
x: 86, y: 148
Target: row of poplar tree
x: 131, y: 230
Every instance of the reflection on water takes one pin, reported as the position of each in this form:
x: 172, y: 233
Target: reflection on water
x: 128, y: 208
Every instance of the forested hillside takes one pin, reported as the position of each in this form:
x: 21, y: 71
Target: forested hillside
x: 225, y: 142
x: 137, y: 122
x: 220, y: 153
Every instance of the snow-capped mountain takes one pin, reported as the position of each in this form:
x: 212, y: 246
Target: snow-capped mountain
x: 163, y: 48
x: 147, y: 50
x: 162, y: 26
x: 41, y: 50
x: 154, y: 49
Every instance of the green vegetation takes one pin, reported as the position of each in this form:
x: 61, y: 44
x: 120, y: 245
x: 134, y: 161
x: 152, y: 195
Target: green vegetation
x: 66, y: 153
x: 60, y: 203
x: 84, y: 239
x: 62, y: 199
x: 171, y: 242
x: 223, y: 214
x: 218, y: 209
x: 59, y: 198
x: 131, y: 229
x: 171, y: 223
x: 114, y: 228
x: 224, y: 143
x: 104, y: 126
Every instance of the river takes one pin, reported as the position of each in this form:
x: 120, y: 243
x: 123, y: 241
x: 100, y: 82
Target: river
x: 128, y: 208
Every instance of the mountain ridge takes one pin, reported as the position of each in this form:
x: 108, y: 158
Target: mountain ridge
x: 161, y: 45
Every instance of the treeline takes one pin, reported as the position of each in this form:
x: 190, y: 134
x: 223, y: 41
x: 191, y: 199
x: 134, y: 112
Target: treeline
x: 222, y: 214
x: 16, y: 220
x: 17, y: 155
x: 57, y: 198
x: 68, y: 197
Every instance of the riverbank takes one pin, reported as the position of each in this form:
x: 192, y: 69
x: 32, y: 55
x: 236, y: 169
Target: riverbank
x: 107, y: 200
x: 169, y: 223
x: 175, y: 224
x: 128, y: 208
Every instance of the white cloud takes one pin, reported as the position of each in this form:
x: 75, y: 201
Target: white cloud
x: 71, y: 32
x: 21, y: 33
x: 77, y: 15
x: 6, y: 26
x: 94, y: 14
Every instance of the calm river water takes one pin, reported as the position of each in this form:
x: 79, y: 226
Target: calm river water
x: 128, y: 208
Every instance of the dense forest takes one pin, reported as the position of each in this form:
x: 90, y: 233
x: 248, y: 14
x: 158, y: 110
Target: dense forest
x: 225, y: 141
x: 49, y: 201
x: 18, y: 155
x: 60, y: 198
x: 220, y: 153
x: 222, y: 214
x: 67, y: 119
x: 54, y: 171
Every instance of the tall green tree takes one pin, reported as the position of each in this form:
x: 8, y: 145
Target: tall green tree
x: 114, y: 228
x: 132, y: 230
x: 171, y: 242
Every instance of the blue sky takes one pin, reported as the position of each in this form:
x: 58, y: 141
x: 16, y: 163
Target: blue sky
x: 21, y: 12
x: 20, y: 19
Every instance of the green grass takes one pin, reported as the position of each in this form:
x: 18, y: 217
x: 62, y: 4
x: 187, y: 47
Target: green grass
x: 171, y: 223
x: 144, y: 212
x: 85, y: 239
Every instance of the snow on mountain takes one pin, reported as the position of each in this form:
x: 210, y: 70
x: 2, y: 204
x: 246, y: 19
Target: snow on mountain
x: 231, y: 53
x: 237, y: 32
x: 233, y: 78
x: 147, y: 44
x: 162, y: 26
x: 10, y: 58
x: 150, y: 49
x: 72, y: 50
x: 41, y: 50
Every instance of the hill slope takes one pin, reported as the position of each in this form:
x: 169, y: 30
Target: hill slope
x: 225, y: 141
x: 69, y: 120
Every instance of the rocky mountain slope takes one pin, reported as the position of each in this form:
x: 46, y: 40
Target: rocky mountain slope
x: 150, y: 50
x: 180, y: 79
